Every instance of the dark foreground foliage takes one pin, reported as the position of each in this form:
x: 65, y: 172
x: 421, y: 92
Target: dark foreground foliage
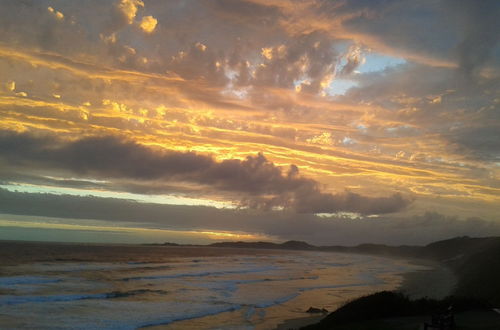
x: 388, y: 304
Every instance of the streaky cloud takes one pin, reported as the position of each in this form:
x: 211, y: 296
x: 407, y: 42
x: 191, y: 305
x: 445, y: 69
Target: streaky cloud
x: 257, y: 181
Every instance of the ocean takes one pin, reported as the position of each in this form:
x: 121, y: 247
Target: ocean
x: 125, y: 287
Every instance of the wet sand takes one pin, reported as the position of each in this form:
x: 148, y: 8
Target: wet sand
x: 436, y: 281
x: 299, y: 322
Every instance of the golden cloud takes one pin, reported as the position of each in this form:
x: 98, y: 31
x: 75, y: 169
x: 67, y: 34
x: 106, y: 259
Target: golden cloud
x: 148, y: 24
x: 129, y: 8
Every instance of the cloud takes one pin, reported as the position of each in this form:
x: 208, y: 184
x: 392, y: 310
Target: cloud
x: 148, y: 24
x: 478, y: 142
x: 250, y: 76
x: 433, y: 104
x: 258, y: 182
x: 397, y: 230
x: 478, y: 21
x: 354, y: 59
x: 129, y: 9
x: 120, y: 15
x: 315, y: 202
x: 57, y: 14
x: 306, y: 63
x: 199, y: 62
x: 10, y: 86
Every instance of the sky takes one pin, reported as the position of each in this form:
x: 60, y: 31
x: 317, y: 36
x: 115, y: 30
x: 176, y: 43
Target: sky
x: 333, y: 122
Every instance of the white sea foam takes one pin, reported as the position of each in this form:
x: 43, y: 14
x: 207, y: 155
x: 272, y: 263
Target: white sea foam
x: 187, y: 316
x: 201, y: 274
x: 15, y: 300
x: 26, y: 279
x: 92, y: 267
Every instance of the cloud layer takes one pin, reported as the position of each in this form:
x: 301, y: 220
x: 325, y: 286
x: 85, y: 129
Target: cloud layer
x: 260, y: 183
x: 397, y: 230
x: 377, y: 102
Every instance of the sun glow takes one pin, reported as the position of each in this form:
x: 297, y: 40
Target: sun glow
x: 148, y: 234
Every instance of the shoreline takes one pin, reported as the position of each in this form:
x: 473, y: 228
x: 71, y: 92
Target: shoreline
x: 297, y: 323
x: 436, y: 281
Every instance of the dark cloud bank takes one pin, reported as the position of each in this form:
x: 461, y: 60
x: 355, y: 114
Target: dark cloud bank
x: 256, y: 181
x: 282, y: 225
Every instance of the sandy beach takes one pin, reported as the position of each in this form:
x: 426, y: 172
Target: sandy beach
x: 297, y: 323
x: 434, y: 281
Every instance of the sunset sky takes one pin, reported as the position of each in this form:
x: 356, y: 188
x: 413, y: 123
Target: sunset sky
x: 334, y: 122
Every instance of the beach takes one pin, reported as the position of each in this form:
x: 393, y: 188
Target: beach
x: 435, y: 281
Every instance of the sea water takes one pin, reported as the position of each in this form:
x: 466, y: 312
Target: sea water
x: 225, y: 291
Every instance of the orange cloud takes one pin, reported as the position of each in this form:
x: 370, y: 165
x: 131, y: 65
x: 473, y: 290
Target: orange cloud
x: 148, y: 24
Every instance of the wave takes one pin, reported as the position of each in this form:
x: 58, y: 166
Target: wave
x: 72, y: 267
x: 337, y: 264
x: 229, y: 286
x: 123, y: 294
x: 18, y: 280
x: 277, y: 301
x: 15, y: 300
x: 190, y: 316
x: 201, y: 274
